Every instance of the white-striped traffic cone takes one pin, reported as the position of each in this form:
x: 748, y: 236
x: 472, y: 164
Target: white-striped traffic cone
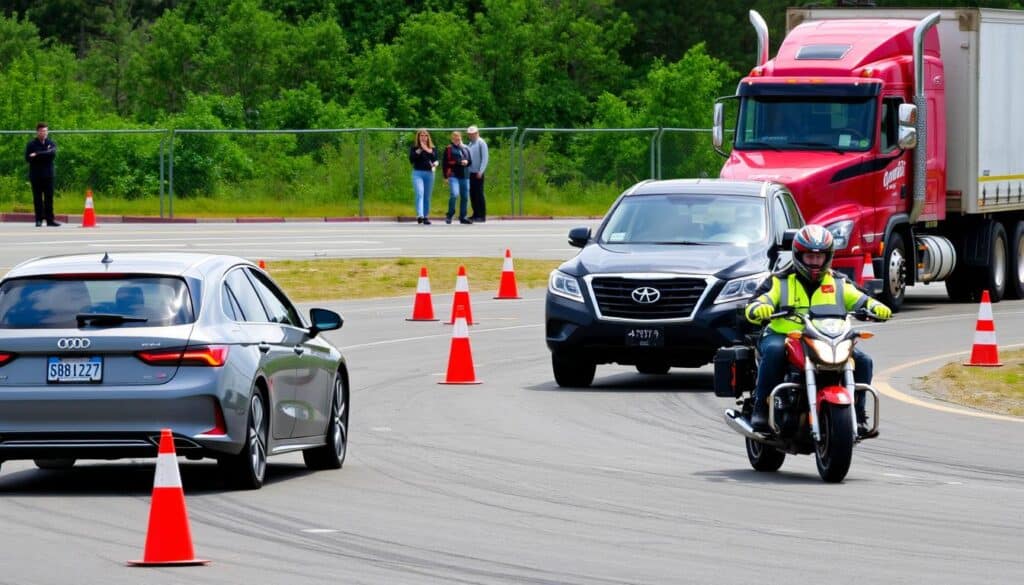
x: 423, y: 305
x: 460, y: 355
x: 867, y: 273
x: 168, y: 539
x: 985, y: 351
x: 507, y: 288
x: 462, y: 297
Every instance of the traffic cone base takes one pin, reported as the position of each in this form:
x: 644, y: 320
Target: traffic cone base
x: 168, y: 537
x: 460, y: 356
x: 985, y: 351
x: 507, y: 288
x: 423, y: 306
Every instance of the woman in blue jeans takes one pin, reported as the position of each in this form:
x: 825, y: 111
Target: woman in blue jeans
x: 423, y: 157
x: 456, y: 170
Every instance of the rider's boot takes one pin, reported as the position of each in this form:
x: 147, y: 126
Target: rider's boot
x: 759, y: 418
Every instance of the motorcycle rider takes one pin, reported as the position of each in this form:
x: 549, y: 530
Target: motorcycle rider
x: 809, y: 282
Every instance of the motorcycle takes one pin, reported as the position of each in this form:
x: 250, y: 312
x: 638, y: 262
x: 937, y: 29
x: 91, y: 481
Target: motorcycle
x: 812, y: 410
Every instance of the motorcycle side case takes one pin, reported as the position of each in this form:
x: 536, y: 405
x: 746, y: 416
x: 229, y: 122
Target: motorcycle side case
x: 734, y: 371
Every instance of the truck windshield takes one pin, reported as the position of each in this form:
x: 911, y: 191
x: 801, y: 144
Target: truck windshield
x: 686, y: 220
x: 820, y: 123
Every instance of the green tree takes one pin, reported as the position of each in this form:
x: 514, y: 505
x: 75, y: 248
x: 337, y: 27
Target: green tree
x: 17, y: 37
x: 167, y: 67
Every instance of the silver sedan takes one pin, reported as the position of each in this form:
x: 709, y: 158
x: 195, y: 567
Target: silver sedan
x: 98, y: 353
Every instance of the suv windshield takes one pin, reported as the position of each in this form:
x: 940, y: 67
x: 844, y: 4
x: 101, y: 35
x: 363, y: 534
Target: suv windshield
x: 829, y: 123
x: 57, y: 303
x: 686, y: 219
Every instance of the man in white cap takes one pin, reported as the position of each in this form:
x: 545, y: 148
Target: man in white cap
x: 477, y: 167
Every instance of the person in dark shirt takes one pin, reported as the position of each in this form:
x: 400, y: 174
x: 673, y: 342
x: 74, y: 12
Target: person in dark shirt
x: 39, y: 154
x: 456, y: 164
x: 423, y: 157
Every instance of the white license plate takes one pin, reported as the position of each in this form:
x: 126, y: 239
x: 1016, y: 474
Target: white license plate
x: 78, y: 369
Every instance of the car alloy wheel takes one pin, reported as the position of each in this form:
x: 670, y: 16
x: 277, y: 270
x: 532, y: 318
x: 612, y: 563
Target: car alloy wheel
x: 257, y: 438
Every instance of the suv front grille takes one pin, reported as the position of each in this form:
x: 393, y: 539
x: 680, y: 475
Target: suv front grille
x: 677, y: 297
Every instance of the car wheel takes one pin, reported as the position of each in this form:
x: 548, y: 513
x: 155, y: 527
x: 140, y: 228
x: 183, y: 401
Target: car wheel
x: 572, y: 371
x: 247, y: 469
x: 653, y: 368
x: 54, y: 463
x: 331, y: 455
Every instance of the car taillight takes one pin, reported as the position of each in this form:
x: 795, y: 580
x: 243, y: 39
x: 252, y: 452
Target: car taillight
x: 214, y: 356
x: 5, y: 358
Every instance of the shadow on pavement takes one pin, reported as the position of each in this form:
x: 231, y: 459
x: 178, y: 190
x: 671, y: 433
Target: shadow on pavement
x: 747, y: 475
x: 94, y: 479
x: 674, y: 381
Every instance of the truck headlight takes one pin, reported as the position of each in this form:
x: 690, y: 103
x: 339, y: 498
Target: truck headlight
x: 741, y: 288
x: 563, y: 285
x: 841, y: 231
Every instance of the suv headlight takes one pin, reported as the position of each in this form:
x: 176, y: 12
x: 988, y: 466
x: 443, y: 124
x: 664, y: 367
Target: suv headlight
x: 563, y: 285
x: 841, y: 231
x: 741, y: 288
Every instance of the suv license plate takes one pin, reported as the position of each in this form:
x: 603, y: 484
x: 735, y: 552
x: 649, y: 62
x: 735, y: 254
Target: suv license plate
x: 62, y: 370
x: 645, y: 337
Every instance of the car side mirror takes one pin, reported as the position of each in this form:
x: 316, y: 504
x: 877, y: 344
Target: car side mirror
x: 324, y: 320
x: 787, y: 240
x: 579, y: 236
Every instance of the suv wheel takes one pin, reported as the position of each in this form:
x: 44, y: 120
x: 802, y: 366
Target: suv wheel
x: 572, y: 371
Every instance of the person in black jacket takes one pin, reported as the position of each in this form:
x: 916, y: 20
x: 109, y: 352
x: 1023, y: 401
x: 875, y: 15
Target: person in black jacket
x: 423, y: 157
x: 39, y: 154
x: 456, y: 170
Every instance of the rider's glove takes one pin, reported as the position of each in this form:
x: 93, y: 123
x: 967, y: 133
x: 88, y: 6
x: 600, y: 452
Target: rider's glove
x: 881, y: 311
x: 762, y: 311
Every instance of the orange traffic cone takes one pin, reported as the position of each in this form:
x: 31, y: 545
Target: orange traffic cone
x: 460, y: 356
x: 867, y: 273
x: 423, y: 305
x: 985, y: 351
x: 462, y: 297
x: 262, y: 264
x: 89, y: 214
x: 168, y: 540
x: 507, y: 287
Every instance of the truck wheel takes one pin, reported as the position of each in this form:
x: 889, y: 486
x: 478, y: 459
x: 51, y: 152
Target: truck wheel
x: 995, y: 273
x: 572, y: 371
x: 894, y: 272
x: 1015, y: 282
x: 960, y: 285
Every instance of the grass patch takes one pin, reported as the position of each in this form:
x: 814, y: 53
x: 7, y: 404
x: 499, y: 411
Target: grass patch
x: 360, y: 278
x: 999, y: 390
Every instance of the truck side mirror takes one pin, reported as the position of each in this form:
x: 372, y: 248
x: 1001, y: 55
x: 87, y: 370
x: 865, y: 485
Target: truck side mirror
x: 579, y: 236
x: 718, y: 128
x: 908, y: 127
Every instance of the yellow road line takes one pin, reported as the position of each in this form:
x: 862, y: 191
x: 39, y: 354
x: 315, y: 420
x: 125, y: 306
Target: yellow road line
x: 1000, y: 178
x: 885, y: 388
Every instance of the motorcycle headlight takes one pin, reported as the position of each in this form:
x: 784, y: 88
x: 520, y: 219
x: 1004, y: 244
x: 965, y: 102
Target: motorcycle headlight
x: 740, y: 288
x: 843, y: 351
x: 827, y: 355
x: 565, y: 286
x: 841, y: 231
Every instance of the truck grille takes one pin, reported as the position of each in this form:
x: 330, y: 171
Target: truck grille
x: 676, y: 299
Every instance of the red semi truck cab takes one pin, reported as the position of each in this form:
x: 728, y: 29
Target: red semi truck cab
x: 851, y: 115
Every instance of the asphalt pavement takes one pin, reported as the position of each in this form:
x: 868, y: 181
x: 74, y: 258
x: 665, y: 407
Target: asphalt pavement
x: 636, y: 480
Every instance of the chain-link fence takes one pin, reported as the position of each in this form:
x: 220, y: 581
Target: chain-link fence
x: 346, y: 171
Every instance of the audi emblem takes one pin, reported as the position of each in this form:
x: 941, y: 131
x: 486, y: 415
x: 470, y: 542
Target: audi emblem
x: 645, y: 295
x: 73, y: 343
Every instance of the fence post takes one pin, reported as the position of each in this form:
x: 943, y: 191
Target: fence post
x: 162, y: 140
x: 512, y: 172
x: 170, y: 179
x: 661, y: 134
x: 362, y: 167
x: 650, y: 155
x: 522, y: 167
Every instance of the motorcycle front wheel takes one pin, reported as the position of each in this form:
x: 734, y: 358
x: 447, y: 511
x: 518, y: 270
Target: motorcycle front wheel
x: 764, y: 457
x: 835, y: 449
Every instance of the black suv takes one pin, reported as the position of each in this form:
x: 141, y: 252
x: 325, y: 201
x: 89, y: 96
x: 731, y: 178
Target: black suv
x: 660, y: 282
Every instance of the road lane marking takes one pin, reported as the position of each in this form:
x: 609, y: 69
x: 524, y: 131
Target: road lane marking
x: 885, y: 388
x: 319, y: 530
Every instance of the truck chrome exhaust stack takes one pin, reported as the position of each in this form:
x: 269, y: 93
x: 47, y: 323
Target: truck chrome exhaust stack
x: 762, y: 37
x: 921, y: 152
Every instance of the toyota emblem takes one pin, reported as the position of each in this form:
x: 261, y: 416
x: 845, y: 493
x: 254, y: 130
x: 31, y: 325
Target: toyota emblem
x: 73, y: 343
x: 645, y: 295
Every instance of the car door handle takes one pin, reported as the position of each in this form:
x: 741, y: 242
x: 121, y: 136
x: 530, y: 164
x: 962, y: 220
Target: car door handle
x: 299, y: 349
x: 264, y: 347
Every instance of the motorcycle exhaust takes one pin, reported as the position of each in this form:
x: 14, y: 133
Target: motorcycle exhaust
x: 739, y: 424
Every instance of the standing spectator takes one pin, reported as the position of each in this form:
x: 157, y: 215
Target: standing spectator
x: 477, y: 167
x: 424, y: 160
x: 39, y: 154
x: 456, y: 165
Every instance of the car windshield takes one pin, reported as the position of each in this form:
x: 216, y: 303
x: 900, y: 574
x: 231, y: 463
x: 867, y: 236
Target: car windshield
x: 686, y: 220
x: 58, y: 303
x: 825, y: 123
